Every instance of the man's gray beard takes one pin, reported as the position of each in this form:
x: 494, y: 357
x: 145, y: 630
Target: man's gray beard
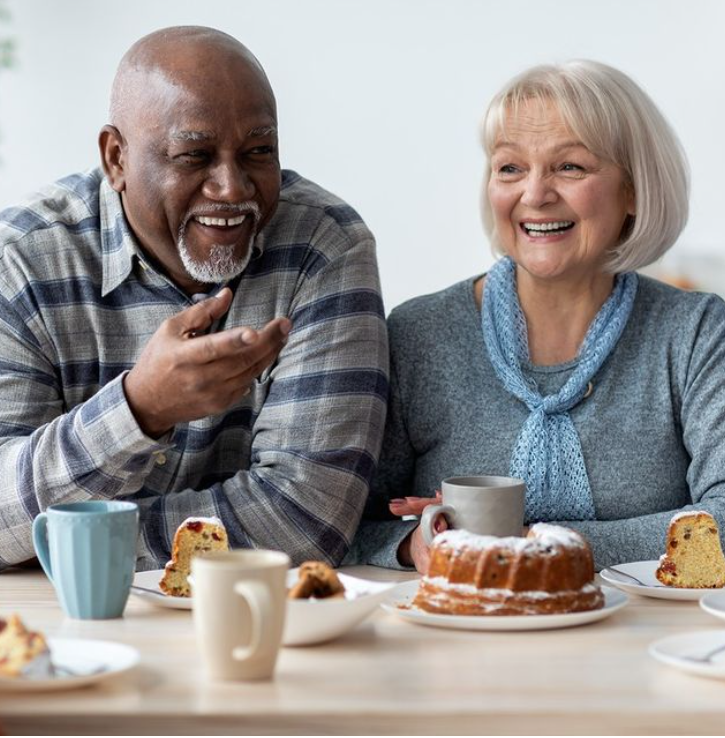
x: 220, y: 266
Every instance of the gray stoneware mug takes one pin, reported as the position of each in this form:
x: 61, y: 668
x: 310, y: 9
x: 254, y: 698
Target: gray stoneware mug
x: 491, y: 506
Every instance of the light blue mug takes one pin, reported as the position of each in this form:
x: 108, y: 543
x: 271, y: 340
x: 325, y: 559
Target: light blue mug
x: 88, y: 551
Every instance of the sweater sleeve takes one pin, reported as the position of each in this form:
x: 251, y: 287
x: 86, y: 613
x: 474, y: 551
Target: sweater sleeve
x: 698, y: 379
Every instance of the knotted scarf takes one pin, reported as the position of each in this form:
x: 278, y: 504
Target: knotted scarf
x: 548, y: 453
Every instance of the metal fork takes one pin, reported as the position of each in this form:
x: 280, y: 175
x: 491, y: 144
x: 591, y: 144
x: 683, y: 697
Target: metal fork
x: 147, y: 589
x: 629, y: 576
x: 707, y: 657
x: 64, y: 671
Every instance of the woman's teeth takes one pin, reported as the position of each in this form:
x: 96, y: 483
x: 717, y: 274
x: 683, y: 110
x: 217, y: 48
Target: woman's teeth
x: 547, y: 229
x: 227, y: 222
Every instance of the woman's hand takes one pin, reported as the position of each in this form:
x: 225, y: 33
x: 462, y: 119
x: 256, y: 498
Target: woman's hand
x: 413, y: 550
x: 412, y: 505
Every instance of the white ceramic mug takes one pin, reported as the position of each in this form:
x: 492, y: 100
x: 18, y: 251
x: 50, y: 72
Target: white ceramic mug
x: 240, y: 601
x: 492, y: 506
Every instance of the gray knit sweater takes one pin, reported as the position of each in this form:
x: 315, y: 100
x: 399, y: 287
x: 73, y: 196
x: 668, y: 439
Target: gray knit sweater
x: 652, y: 432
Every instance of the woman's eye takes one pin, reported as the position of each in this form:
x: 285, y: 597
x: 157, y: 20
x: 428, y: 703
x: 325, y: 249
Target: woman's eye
x: 508, y: 169
x: 571, y: 167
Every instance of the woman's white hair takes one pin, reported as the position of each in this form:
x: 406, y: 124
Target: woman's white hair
x: 617, y: 121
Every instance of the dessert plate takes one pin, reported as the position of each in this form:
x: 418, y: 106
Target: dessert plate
x: 317, y: 621
x: 714, y: 603
x: 650, y: 586
x: 146, y: 587
x: 78, y: 662
x: 401, y: 606
x: 685, y: 651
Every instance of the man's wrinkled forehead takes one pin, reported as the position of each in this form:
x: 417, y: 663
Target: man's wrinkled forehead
x: 182, y: 135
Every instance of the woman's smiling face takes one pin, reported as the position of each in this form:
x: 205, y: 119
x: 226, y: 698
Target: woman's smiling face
x: 558, y: 208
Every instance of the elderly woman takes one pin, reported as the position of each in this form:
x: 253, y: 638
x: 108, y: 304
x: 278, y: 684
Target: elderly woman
x: 604, y: 390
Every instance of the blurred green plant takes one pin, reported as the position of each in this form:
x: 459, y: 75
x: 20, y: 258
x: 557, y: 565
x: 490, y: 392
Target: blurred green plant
x: 7, y: 44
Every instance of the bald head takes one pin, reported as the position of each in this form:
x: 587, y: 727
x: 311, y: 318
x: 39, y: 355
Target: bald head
x: 178, y: 57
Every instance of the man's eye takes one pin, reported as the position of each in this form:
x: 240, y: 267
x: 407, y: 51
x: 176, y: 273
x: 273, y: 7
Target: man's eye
x: 192, y: 157
x: 261, y: 151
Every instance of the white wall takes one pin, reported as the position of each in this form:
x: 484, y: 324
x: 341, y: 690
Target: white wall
x: 379, y: 100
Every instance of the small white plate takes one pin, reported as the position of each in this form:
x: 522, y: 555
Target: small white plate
x: 147, y: 583
x: 613, y: 601
x: 645, y: 572
x: 88, y: 661
x: 672, y: 650
x: 317, y: 621
x: 714, y: 603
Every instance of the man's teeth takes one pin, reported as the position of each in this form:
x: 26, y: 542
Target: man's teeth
x: 228, y: 222
x: 546, y: 229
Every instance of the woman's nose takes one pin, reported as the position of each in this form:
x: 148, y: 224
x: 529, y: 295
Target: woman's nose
x: 229, y: 182
x: 538, y: 191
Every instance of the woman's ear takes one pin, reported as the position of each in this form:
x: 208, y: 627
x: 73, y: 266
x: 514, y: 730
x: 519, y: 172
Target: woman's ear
x: 631, y: 201
x: 113, y: 156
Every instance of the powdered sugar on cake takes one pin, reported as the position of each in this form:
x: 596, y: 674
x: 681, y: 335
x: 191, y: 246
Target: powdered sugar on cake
x: 212, y: 520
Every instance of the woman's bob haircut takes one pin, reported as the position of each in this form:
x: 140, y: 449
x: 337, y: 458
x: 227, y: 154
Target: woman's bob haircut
x: 618, y: 122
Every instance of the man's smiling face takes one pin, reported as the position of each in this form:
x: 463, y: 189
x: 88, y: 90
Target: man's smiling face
x: 200, y: 166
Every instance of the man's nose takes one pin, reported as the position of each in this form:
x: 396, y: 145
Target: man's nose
x: 229, y: 182
x: 538, y: 190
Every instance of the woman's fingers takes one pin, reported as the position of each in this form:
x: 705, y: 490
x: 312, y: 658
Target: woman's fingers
x: 412, y: 505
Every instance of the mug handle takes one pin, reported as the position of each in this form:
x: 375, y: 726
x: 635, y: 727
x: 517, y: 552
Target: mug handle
x: 428, y: 520
x: 257, y: 597
x: 40, y: 542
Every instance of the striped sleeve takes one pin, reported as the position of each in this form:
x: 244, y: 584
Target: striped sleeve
x: 48, y: 455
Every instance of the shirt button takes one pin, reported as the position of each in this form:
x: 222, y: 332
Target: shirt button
x: 160, y: 458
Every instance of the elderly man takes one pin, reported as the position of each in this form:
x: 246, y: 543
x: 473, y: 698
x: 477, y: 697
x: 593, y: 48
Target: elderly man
x: 192, y: 329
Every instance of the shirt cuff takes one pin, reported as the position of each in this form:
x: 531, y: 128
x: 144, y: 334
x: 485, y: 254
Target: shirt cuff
x: 110, y: 430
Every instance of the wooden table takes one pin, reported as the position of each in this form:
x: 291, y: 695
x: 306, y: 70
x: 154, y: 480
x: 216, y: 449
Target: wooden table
x: 386, y: 676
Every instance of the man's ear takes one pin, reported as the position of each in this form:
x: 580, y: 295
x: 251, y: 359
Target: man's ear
x: 113, y: 156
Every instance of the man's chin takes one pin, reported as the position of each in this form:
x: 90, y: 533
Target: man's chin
x: 220, y: 264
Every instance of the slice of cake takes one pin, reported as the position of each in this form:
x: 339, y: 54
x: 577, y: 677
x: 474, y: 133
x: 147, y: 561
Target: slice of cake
x: 316, y: 581
x: 23, y: 653
x: 194, y: 537
x: 693, y: 555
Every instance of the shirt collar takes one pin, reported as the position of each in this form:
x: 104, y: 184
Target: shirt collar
x: 118, y: 245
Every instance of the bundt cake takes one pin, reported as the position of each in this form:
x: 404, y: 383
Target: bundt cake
x: 693, y: 555
x: 23, y: 653
x: 194, y: 537
x: 550, y: 571
x: 316, y: 580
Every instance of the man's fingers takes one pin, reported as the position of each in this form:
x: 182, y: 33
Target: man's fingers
x: 244, y: 345
x: 200, y: 316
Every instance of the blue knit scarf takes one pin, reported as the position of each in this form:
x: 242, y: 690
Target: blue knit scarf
x: 548, y: 453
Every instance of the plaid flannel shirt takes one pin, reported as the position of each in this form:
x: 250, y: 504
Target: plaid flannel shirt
x: 288, y: 467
